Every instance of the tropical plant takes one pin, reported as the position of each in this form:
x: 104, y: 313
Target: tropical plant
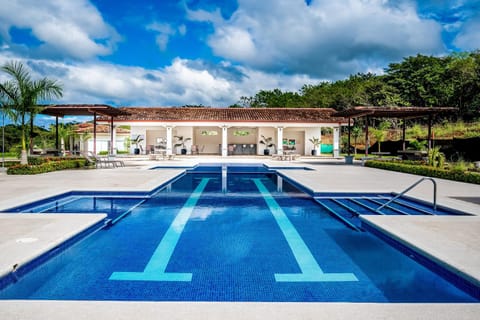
x: 181, y: 143
x: 436, y: 158
x: 267, y: 142
x: 136, y: 142
x: 417, y: 145
x: 22, y: 95
x: 316, y: 143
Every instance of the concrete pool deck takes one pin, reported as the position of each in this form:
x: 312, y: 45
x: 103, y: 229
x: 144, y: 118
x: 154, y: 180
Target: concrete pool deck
x: 453, y: 240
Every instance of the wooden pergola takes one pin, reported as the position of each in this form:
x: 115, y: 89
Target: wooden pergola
x: 393, y: 112
x: 61, y: 110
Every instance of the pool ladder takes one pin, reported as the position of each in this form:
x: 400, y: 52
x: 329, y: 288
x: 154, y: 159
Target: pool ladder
x: 410, y: 188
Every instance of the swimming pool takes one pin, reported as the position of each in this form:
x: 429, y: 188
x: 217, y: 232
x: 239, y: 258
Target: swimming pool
x: 226, y: 236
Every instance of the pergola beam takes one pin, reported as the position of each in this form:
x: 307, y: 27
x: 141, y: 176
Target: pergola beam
x: 83, y: 110
x: 394, y: 112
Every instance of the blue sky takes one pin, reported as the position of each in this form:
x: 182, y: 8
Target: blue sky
x: 195, y: 52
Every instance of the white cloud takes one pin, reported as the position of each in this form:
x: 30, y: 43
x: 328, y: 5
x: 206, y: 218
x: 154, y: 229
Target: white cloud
x: 74, y: 29
x: 165, y: 32
x: 325, y: 39
x: 469, y: 37
x: 183, y: 82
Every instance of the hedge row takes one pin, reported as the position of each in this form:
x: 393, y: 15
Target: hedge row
x: 423, y: 170
x: 47, y: 166
x: 40, y: 160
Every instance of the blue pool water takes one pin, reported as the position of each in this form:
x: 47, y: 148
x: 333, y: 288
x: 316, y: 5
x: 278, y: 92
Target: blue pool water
x: 212, y: 236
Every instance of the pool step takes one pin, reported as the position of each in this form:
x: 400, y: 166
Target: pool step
x: 417, y: 209
x: 365, y: 205
x: 389, y: 208
x: 347, y: 216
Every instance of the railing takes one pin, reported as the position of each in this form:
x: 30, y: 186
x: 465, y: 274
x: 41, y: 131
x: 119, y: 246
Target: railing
x: 410, y: 188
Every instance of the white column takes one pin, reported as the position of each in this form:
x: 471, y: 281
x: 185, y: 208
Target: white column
x: 224, y: 178
x: 169, y: 141
x: 319, y: 149
x: 280, y: 140
x: 279, y: 184
x: 224, y: 141
x: 336, y: 142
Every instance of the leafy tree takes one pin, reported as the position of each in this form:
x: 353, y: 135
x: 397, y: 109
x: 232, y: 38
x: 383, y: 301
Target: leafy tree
x: 420, y: 80
x: 380, y: 132
x: 464, y: 77
x: 22, y: 94
x: 275, y: 99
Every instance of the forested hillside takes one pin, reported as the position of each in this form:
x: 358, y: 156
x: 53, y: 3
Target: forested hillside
x: 421, y: 81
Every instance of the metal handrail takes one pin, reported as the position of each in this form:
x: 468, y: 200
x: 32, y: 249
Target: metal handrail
x: 410, y: 188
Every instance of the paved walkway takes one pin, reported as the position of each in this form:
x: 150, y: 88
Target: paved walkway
x: 453, y: 240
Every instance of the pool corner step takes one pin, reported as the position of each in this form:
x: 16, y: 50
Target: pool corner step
x: 337, y: 215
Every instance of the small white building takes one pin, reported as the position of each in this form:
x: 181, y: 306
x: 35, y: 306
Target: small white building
x: 84, y: 138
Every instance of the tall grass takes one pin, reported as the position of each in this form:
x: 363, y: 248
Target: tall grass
x: 445, y: 130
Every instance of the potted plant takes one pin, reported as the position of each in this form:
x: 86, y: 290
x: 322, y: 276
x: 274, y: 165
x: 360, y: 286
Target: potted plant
x: 136, y: 143
x: 181, y: 143
x: 268, y: 142
x: 316, y: 143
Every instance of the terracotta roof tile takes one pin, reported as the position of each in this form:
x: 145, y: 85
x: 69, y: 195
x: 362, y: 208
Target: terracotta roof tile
x: 174, y: 114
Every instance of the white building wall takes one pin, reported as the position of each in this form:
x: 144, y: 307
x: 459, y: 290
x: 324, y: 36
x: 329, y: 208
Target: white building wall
x: 311, y: 133
x: 134, y: 132
x: 185, y: 132
x: 267, y: 133
x: 103, y: 143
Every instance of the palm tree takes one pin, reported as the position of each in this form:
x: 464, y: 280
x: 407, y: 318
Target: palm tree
x: 65, y: 131
x: 22, y: 94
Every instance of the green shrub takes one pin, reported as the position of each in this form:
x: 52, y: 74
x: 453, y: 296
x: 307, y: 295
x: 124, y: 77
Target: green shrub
x: 47, y: 166
x: 423, y: 170
x: 34, y: 161
x: 8, y: 164
x: 436, y: 158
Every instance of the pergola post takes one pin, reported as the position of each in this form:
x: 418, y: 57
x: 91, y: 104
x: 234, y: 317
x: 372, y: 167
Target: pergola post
x: 56, y: 133
x: 367, y: 141
x: 95, y: 133
x: 111, y: 136
x: 404, y: 128
x: 349, y: 134
x: 429, y: 132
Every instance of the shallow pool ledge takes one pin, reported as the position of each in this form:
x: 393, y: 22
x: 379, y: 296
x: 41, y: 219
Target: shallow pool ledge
x: 450, y: 241
x: 24, y: 237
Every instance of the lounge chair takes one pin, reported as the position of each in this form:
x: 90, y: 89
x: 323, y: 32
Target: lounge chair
x: 117, y: 163
x: 104, y: 161
x: 194, y: 149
